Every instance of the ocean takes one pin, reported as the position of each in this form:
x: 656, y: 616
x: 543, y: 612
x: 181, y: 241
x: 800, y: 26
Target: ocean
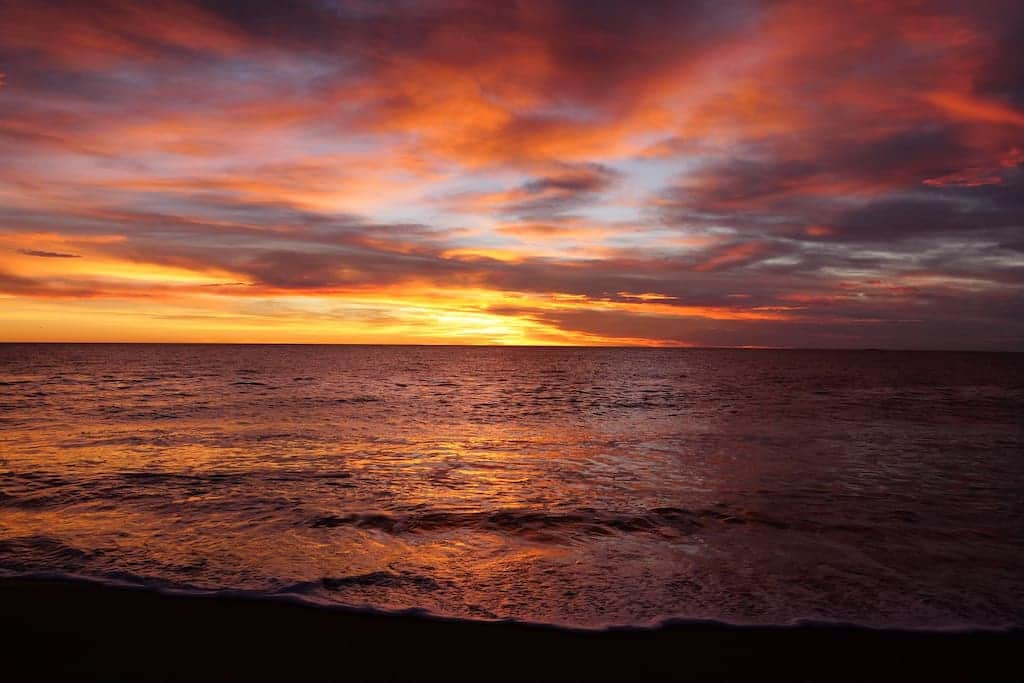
x: 570, y: 486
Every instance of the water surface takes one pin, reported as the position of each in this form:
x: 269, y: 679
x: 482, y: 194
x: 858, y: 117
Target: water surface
x: 585, y: 487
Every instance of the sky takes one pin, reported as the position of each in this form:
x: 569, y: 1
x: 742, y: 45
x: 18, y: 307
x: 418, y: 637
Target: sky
x: 719, y: 173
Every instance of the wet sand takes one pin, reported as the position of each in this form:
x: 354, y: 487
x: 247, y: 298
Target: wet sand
x: 77, y: 630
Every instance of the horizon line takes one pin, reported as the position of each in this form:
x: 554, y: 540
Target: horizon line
x: 528, y: 346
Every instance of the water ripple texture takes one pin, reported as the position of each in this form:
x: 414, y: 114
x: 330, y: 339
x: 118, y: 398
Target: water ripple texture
x: 586, y: 487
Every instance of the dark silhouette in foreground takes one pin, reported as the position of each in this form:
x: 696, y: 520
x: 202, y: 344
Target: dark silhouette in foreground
x: 75, y: 631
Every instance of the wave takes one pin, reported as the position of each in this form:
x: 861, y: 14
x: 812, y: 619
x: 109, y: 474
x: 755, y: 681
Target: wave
x: 516, y: 521
x: 386, y: 579
x: 587, y: 520
x: 41, y: 548
x: 305, y: 593
x: 42, y: 490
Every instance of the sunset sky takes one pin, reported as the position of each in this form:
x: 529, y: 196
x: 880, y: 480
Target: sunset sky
x: 811, y: 174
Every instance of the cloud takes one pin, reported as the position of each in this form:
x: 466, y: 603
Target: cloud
x: 567, y: 187
x: 777, y: 172
x: 47, y: 254
x: 734, y: 255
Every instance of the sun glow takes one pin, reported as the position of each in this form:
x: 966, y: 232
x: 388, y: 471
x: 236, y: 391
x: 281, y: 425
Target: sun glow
x: 545, y: 175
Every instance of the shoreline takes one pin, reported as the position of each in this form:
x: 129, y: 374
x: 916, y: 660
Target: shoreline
x: 61, y: 628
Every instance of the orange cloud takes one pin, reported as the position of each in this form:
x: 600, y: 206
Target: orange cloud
x: 536, y: 172
x: 92, y: 36
x: 963, y: 106
x: 734, y: 255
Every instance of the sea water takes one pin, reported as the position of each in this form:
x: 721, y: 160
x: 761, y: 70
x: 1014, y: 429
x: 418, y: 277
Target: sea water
x: 584, y: 487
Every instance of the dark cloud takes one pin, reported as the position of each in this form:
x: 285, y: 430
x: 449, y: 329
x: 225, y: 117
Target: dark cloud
x: 47, y: 254
x: 800, y: 200
x: 854, y: 167
x: 568, y: 187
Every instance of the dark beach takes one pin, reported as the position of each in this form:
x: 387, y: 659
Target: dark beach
x: 84, y: 631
